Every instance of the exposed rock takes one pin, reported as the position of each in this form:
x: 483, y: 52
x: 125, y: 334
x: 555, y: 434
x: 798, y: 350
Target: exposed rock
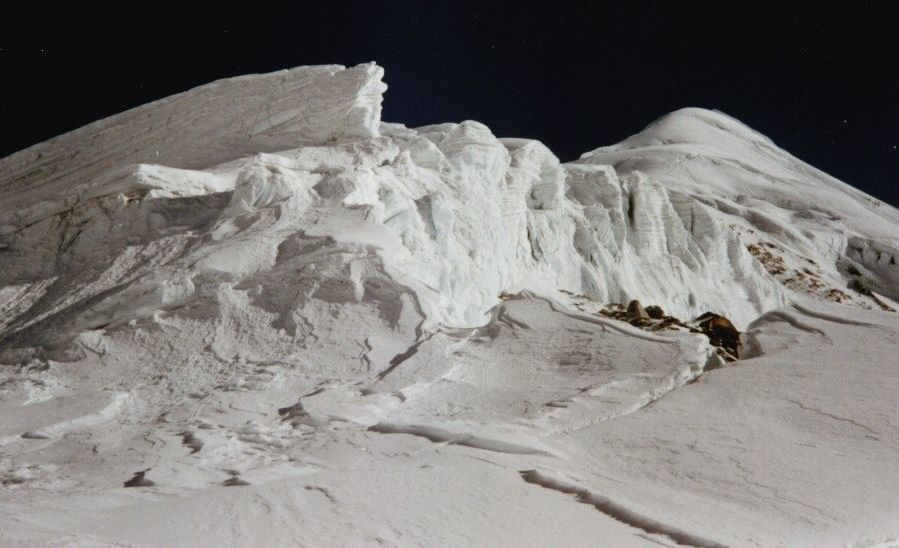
x: 772, y: 262
x: 615, y: 311
x: 646, y: 320
x: 837, y: 296
x: 859, y: 287
x: 806, y: 279
x: 235, y: 480
x: 862, y: 289
x: 635, y: 311
x: 139, y: 480
x: 721, y: 332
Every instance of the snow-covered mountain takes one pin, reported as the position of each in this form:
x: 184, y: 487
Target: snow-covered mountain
x: 257, y: 302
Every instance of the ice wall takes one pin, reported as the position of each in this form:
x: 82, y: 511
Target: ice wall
x: 287, y: 187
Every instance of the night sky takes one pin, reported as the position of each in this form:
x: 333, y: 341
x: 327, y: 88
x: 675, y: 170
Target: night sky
x: 822, y: 82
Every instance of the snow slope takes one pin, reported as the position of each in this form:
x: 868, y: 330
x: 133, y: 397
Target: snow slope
x: 255, y: 301
x: 740, y: 173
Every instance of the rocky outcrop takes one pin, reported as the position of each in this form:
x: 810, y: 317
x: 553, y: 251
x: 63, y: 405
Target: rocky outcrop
x: 721, y: 333
x: 635, y: 311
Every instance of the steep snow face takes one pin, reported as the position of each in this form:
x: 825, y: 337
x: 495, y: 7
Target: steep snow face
x: 203, y: 127
x: 766, y: 195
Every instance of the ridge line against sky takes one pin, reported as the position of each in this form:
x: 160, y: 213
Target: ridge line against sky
x: 816, y: 80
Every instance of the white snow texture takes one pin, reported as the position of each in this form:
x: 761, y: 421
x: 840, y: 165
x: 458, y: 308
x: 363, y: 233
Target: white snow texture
x: 255, y: 314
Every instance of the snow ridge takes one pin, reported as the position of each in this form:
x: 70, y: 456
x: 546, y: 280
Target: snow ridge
x: 203, y: 127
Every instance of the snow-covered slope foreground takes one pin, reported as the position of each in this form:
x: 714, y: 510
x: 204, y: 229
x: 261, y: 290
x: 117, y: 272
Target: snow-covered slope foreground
x: 254, y: 314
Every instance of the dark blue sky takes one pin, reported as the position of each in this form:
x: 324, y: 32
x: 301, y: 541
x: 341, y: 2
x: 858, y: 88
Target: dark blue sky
x: 822, y: 82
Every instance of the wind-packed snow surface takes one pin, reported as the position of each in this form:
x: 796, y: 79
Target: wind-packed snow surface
x: 254, y: 314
